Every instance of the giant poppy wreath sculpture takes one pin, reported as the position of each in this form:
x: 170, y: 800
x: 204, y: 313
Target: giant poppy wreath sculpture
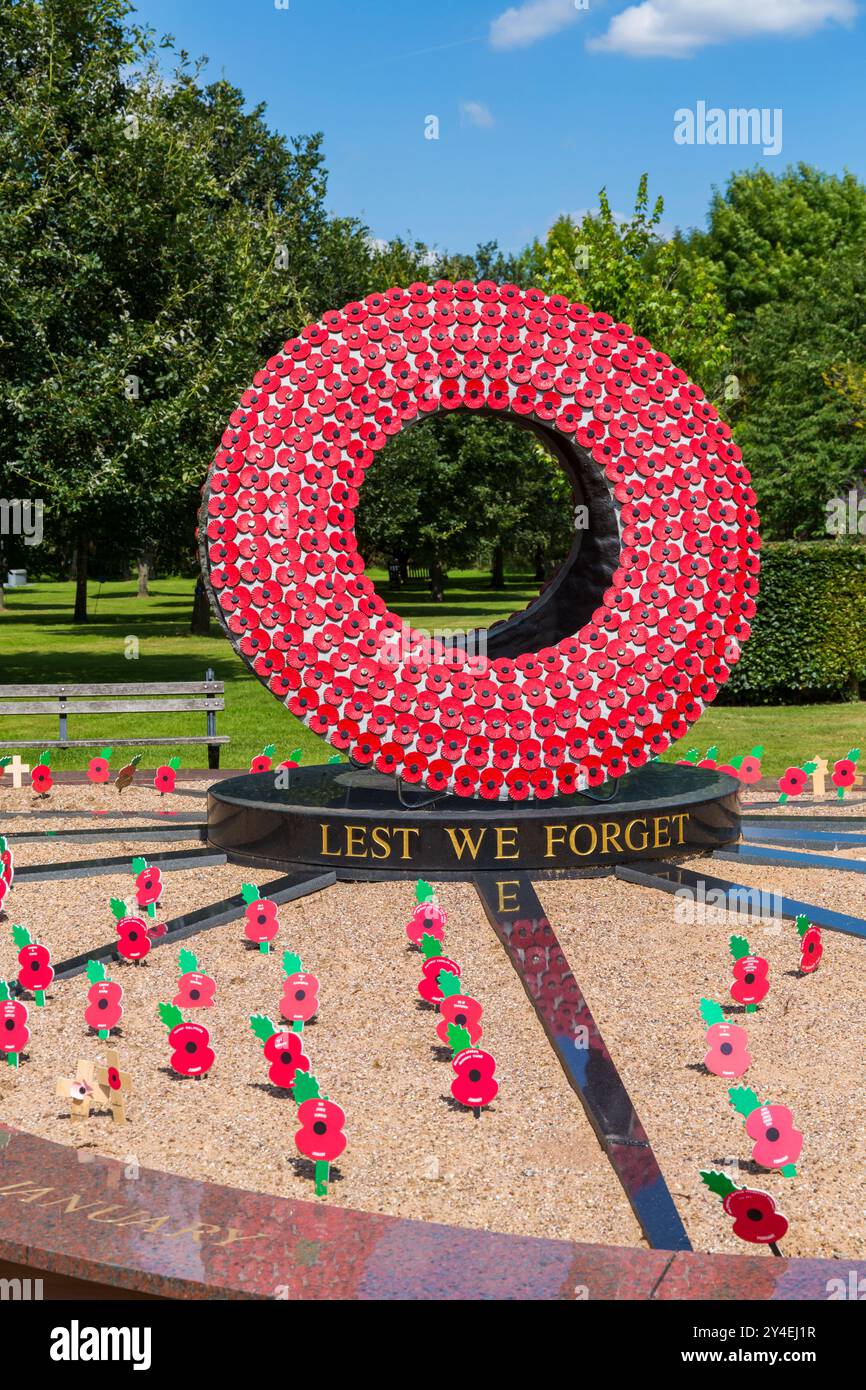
x: 279, y: 548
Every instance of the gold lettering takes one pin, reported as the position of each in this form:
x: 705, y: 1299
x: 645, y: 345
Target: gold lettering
x: 513, y: 904
x: 550, y: 830
x: 610, y: 835
x: 37, y: 1192
x: 466, y: 840
x: 405, y: 832
x: 632, y: 823
x: 593, y: 844
x: 195, y: 1230
x: 234, y: 1236
x: 379, y: 836
x: 501, y: 845
x: 658, y: 842
x: 330, y: 853
x: 69, y: 1204
x: 682, y: 817
x: 352, y: 831
x: 116, y: 1206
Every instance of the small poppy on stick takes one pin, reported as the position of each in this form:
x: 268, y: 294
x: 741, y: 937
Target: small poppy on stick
x: 755, y: 1216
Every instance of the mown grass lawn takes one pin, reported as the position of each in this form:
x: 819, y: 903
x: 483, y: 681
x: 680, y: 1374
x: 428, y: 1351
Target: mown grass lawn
x: 39, y: 642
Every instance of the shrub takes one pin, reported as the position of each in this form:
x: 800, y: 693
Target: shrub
x: 808, y: 639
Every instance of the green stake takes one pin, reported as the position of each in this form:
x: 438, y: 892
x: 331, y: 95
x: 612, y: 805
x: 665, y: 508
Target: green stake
x: 39, y: 996
x: 322, y: 1173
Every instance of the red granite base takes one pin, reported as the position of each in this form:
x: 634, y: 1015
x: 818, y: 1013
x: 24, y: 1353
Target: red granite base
x: 85, y: 1222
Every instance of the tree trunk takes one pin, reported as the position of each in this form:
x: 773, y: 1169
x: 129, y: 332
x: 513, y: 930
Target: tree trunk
x: 497, y: 569
x: 437, y: 581
x: 200, y: 624
x: 144, y: 565
x: 540, y: 567
x: 80, y: 615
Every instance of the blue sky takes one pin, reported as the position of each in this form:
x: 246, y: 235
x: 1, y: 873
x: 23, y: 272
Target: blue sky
x: 539, y: 103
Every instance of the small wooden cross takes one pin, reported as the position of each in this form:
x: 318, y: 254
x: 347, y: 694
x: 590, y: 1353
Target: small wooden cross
x: 819, y: 776
x: 80, y: 1090
x: 115, y: 1084
x: 16, y: 767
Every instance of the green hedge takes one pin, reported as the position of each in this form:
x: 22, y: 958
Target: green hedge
x: 808, y: 639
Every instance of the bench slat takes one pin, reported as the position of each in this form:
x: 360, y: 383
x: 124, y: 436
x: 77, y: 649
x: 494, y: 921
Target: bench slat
x: 176, y: 742
x: 110, y: 706
x: 149, y: 688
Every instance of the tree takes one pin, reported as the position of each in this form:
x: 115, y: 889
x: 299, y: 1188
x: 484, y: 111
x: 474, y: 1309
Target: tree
x: 455, y: 489
x: 771, y: 233
x: 157, y: 242
x: 799, y: 432
x: 662, y: 290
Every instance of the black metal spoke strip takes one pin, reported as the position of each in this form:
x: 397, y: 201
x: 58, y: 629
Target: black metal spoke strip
x: 673, y: 878
x: 803, y: 801
x: 819, y: 820
x: 97, y: 816
x: 518, y: 918
x: 168, y: 861
x: 195, y: 830
x: 789, y: 858
x: 803, y: 837
x: 280, y: 890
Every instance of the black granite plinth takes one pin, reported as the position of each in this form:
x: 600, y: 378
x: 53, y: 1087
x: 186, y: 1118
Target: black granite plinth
x: 362, y: 826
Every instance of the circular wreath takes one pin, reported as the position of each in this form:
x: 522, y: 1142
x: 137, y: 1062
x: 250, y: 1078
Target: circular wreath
x: 279, y: 550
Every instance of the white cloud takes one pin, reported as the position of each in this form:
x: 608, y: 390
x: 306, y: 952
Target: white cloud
x: 678, y: 28
x: 534, y: 19
x: 476, y: 113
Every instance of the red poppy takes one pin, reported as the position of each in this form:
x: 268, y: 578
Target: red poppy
x: 285, y: 1052
x: 261, y: 920
x: 727, y: 1053
x: 777, y: 1144
x: 300, y: 1001
x: 14, y: 1033
x: 104, y: 1005
x: 751, y: 983
x: 165, y: 776
x: 41, y: 779
x: 428, y: 986
x: 98, y: 769
x: 133, y: 938
x: 845, y: 771
x: 320, y: 1137
x: 264, y: 761
x: 191, y: 1054
x: 36, y: 971
x: 749, y: 770
x: 490, y: 784
x: 195, y: 991
x: 148, y: 887
x: 792, y: 782
x: 473, y: 1083
x: 755, y: 1217
x: 811, y: 947
x: 464, y: 1012
x: 428, y: 919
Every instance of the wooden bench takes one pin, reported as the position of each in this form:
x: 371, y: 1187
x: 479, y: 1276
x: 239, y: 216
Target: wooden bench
x: 145, y: 697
